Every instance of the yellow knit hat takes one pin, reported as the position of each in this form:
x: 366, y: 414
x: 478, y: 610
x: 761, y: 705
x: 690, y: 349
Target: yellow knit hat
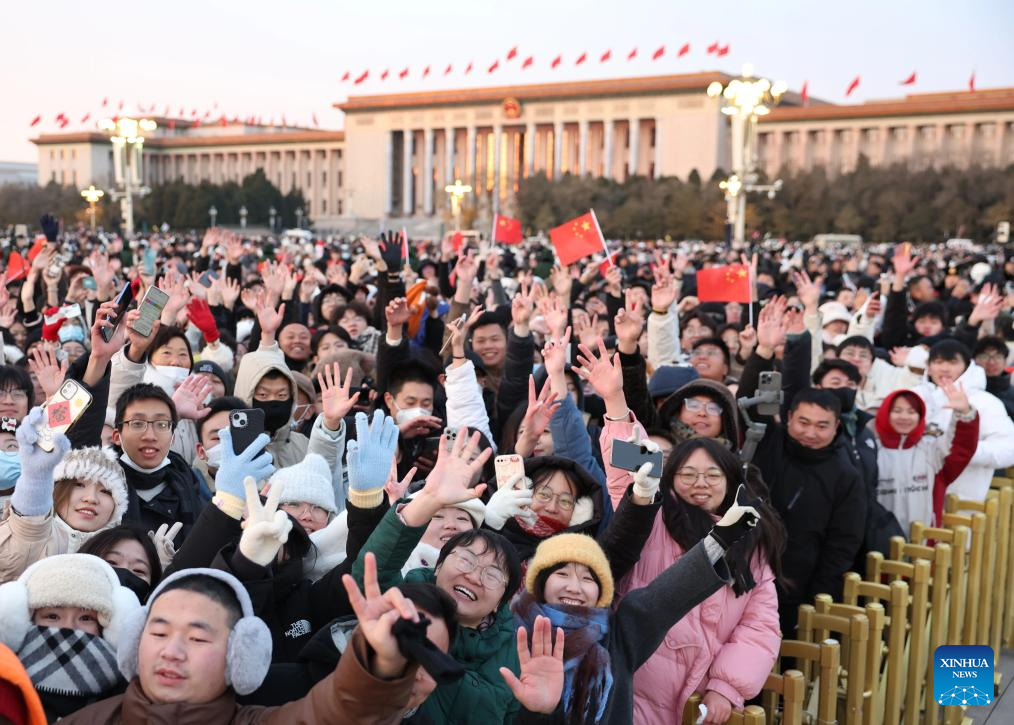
x: 577, y: 548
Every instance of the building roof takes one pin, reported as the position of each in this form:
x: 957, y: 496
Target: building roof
x: 917, y: 104
x: 239, y: 139
x: 542, y: 91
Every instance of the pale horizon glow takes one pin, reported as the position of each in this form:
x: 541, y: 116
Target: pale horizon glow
x: 269, y: 59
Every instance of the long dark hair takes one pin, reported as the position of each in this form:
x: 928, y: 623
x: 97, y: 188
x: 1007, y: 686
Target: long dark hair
x: 687, y: 524
x: 104, y: 542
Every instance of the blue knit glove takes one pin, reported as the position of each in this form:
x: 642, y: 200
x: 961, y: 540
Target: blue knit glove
x: 368, y: 458
x: 253, y: 462
x: 33, y: 493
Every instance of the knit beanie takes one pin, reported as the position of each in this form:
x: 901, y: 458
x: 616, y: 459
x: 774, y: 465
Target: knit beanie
x: 577, y: 548
x: 308, y: 481
x: 98, y: 465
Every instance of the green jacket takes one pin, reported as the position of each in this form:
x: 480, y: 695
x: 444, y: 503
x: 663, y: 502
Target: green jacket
x: 481, y: 696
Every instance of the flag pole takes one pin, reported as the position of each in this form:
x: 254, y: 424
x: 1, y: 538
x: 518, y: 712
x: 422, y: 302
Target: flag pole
x: 749, y: 276
x: 602, y: 238
x: 492, y: 231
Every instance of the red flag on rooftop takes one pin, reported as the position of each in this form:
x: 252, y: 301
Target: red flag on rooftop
x: 724, y: 50
x: 632, y: 54
x: 528, y: 62
x: 196, y: 124
x: 684, y: 50
x: 492, y: 68
x: 448, y: 69
x: 223, y: 121
x: 84, y: 119
x: 60, y: 116
x: 852, y: 86
x: 404, y: 74
x: 105, y: 101
x: 120, y: 107
x: 730, y: 283
x: 506, y: 230
x: 713, y: 48
x: 658, y: 53
x: 581, y: 59
x: 556, y: 61
x: 346, y: 76
x: 172, y: 123
x: 35, y: 121
x: 577, y: 239
x: 512, y: 53
x: 315, y: 122
x: 804, y: 92
x: 971, y: 83
x: 64, y: 122
x: 426, y: 71
x: 361, y: 78
x: 606, y: 56
x: 468, y: 68
x: 383, y: 76
x: 910, y: 81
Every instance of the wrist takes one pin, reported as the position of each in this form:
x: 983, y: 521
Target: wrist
x: 387, y: 668
x: 521, y: 330
x: 764, y: 351
x: 626, y: 347
x: 230, y: 505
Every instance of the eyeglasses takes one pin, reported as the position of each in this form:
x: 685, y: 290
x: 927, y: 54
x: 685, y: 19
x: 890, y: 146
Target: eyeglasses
x: 991, y: 357
x: 696, y: 406
x: 544, y: 494
x: 18, y: 396
x: 858, y: 355
x: 298, y: 509
x: 465, y: 562
x: 689, y: 476
x: 706, y: 352
x: 140, y: 426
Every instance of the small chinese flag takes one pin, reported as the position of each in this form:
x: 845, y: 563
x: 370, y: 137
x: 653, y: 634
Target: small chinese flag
x: 493, y: 67
x: 17, y: 267
x: 556, y: 61
x: 468, y: 69
x: 606, y: 56
x: 658, y: 53
x: 404, y: 74
x: 577, y: 239
x: 528, y: 62
x: 512, y: 53
x: 448, y: 69
x: 632, y: 54
x: 35, y: 122
x: 345, y: 76
x: 383, y: 76
x: 581, y: 59
x: 457, y: 239
x: 852, y: 86
x: 724, y: 50
x: 684, y: 50
x: 804, y: 92
x: 910, y: 81
x: 426, y: 71
x: 724, y: 284
x: 607, y: 263
x: 713, y: 48
x: 506, y: 230
x: 363, y: 77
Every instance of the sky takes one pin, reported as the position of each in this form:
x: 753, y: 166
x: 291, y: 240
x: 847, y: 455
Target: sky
x: 270, y: 58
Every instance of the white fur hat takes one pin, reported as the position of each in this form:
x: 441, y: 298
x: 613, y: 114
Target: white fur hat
x: 309, y: 481
x: 834, y: 312
x: 65, y: 580
x: 99, y: 465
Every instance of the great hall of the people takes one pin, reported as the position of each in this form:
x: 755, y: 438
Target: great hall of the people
x: 398, y: 151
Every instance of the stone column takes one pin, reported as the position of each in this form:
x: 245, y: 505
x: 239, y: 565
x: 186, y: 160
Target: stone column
x: 557, y: 149
x: 389, y: 165
x: 449, y: 155
x: 607, y: 148
x: 428, y: 171
x: 635, y: 137
x: 407, y: 207
x: 582, y: 147
x: 470, y: 159
x: 530, y: 149
x: 497, y: 141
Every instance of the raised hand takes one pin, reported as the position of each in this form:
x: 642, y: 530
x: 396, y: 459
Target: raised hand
x: 537, y: 416
x: 163, y: 541
x: 772, y: 327
x: 541, y: 683
x: 458, y: 329
x: 370, y: 455
x: 554, y: 312
x: 335, y: 398
x: 602, y: 370
x: 269, y: 318
x: 394, y: 488
x: 254, y: 462
x: 554, y: 354
x: 464, y: 274
x: 989, y: 304
x: 266, y: 528
x: 514, y: 499
x: 200, y: 314
x: 173, y: 284
x: 957, y: 399
x: 233, y: 249
x: 377, y: 614
x: 808, y: 290
x: 190, y: 395
x: 614, y: 281
x: 562, y: 282
x: 98, y: 263
x: 8, y: 313
x: 628, y: 324
x: 229, y: 289
x: 586, y: 329
x: 903, y: 262
x: 102, y: 350
x: 664, y: 291
x: 33, y: 494
x: 397, y: 314
x: 51, y: 372
x: 740, y: 517
x: 522, y: 308
x: 450, y: 481
x: 337, y: 274
x: 139, y: 343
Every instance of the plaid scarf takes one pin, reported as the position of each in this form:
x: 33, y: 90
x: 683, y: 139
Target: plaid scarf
x: 69, y: 661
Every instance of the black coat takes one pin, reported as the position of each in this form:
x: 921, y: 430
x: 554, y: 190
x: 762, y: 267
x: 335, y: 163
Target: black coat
x: 822, y: 500
x: 180, y: 500
x: 999, y: 385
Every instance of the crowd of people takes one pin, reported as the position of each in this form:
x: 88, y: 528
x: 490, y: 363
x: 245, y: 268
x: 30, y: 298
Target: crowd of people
x: 329, y: 483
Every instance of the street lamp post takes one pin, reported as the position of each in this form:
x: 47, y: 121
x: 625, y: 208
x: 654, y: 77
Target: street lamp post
x: 92, y: 196
x: 272, y: 213
x: 457, y: 192
x: 213, y: 213
x: 744, y: 100
x: 242, y: 217
x: 299, y: 217
x: 126, y: 135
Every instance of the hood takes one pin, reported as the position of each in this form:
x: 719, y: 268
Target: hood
x: 974, y: 378
x: 889, y: 438
x: 255, y: 365
x: 669, y: 412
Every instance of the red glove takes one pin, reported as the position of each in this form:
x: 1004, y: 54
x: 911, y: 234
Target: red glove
x: 51, y: 324
x: 200, y: 315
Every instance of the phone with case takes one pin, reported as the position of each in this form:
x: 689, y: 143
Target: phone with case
x: 61, y: 411
x: 123, y: 301
x: 507, y: 467
x: 245, y: 425
x: 630, y: 457
x: 151, y: 307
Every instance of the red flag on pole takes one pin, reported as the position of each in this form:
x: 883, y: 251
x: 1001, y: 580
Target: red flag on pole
x: 35, y: 121
x: 971, y: 83
x: 556, y: 61
x: 84, y: 119
x: 492, y: 68
x: 528, y: 62
x: 404, y: 74
x: 383, y: 76
x: 581, y: 59
x: 105, y: 101
x: 684, y: 50
x: 730, y: 283
x: 632, y: 54
x: 607, y: 263
x: 512, y: 53
x: 852, y: 86
x: 506, y: 230
x: 577, y: 239
x: 346, y: 76
x: 910, y: 81
x: 361, y: 78
x: 404, y: 245
x: 713, y: 48
x: 426, y: 71
x: 17, y: 267
x: 804, y: 92
x: 468, y: 68
x: 120, y: 107
x: 658, y: 53
x: 315, y: 120
x: 724, y: 50
x: 448, y: 69
x: 606, y: 56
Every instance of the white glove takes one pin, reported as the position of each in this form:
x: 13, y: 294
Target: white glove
x: 163, y: 541
x: 738, y: 520
x: 266, y: 528
x: 645, y: 486
x: 511, y: 500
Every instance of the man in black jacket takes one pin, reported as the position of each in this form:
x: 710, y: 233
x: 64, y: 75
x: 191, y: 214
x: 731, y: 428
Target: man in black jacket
x: 991, y: 355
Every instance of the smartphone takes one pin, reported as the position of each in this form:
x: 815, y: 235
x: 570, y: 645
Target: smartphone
x: 123, y: 301
x: 630, y: 457
x: 507, y: 467
x: 89, y: 284
x: 149, y: 261
x: 207, y: 278
x: 151, y: 309
x: 430, y: 447
x: 770, y: 382
x: 61, y: 411
x: 245, y: 425
x: 452, y: 434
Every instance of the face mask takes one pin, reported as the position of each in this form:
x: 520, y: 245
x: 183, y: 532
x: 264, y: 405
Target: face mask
x: 167, y: 377
x: 214, y: 456
x: 404, y: 416
x: 846, y: 396
x: 134, y: 583
x: 10, y: 469
x: 276, y: 413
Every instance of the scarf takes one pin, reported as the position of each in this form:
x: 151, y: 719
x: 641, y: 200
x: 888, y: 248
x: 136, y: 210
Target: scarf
x: 140, y: 479
x: 543, y: 528
x: 69, y: 662
x: 587, y: 670
x: 801, y: 453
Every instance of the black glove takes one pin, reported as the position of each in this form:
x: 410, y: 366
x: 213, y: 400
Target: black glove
x: 738, y: 520
x: 50, y: 226
x: 390, y: 250
x: 415, y: 646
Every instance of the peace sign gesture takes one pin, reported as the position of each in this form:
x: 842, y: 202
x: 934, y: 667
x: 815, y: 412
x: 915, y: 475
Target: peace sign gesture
x: 266, y: 528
